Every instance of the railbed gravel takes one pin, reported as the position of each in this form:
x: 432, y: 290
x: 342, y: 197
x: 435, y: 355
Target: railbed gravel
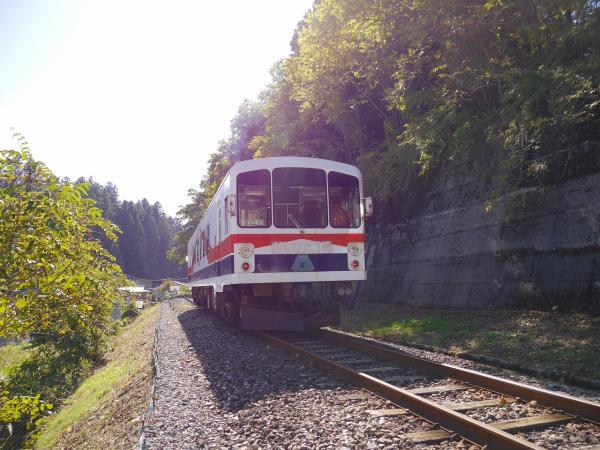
x: 441, y: 357
x: 575, y: 435
x: 218, y: 387
x: 579, y: 435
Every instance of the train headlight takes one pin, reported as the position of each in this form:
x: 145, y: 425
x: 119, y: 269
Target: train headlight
x: 245, y: 251
x: 355, y: 264
x: 354, y: 249
x: 245, y: 267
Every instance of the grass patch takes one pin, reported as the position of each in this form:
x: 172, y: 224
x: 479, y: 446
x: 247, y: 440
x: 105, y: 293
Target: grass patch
x: 383, y: 322
x: 12, y: 355
x: 101, y: 402
x: 82, y: 401
x: 563, y: 343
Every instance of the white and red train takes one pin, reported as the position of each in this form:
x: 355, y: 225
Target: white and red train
x: 281, y: 244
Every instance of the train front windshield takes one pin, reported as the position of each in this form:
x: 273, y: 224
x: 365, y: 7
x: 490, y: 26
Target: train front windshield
x: 302, y: 198
x: 299, y: 198
x: 254, y: 199
x: 344, y: 200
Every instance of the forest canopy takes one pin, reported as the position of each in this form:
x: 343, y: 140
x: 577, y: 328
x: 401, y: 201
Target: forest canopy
x: 414, y: 90
x: 146, y: 233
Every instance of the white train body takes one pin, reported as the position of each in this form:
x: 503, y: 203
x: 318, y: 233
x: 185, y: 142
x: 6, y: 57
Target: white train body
x: 278, y: 233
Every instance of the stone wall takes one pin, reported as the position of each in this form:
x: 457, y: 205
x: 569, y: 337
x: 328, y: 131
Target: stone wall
x: 532, y: 247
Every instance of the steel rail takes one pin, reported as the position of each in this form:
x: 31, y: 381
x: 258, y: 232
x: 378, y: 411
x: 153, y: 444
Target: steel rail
x: 471, y: 429
x: 578, y: 407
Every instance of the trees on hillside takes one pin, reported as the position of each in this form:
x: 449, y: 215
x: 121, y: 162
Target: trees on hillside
x: 146, y: 233
x: 413, y: 89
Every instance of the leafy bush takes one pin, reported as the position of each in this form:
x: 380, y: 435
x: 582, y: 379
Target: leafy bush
x: 20, y: 413
x: 57, y: 286
x: 130, y: 312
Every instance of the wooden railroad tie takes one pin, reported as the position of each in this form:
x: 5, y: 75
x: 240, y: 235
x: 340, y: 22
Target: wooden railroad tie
x: 316, y: 348
x: 386, y: 412
x: 403, y: 379
x: 513, y: 425
x: 356, y: 396
x: 355, y: 361
x: 480, y: 404
x: 455, y: 406
x: 439, y: 388
x: 336, y: 353
x: 379, y: 369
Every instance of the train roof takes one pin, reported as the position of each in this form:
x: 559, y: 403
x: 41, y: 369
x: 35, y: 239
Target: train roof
x: 292, y: 161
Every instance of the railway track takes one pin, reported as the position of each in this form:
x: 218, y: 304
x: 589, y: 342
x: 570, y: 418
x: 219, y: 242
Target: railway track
x: 451, y: 398
x: 433, y: 390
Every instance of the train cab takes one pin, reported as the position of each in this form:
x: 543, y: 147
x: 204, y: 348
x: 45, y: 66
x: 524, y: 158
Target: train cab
x: 281, y: 244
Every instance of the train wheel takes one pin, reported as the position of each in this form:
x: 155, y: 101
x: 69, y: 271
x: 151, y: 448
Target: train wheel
x: 231, y: 310
x: 203, y: 299
x: 196, y: 296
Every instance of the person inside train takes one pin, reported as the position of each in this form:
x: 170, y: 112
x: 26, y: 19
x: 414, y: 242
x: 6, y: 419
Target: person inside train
x: 338, y: 216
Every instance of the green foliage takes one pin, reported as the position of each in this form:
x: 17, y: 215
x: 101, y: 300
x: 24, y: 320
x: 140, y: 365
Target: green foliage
x: 55, y: 278
x: 185, y: 290
x: 515, y: 78
x: 49, y: 374
x: 165, y: 287
x: 190, y: 216
x: 413, y: 91
x: 12, y: 355
x: 127, y: 365
x: 562, y: 343
x: 57, y: 284
x: 21, y: 412
x: 130, y: 312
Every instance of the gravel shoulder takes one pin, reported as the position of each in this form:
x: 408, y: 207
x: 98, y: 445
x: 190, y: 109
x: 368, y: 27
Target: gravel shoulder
x: 218, y: 387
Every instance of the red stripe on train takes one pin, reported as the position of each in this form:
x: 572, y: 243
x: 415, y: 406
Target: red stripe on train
x: 263, y: 240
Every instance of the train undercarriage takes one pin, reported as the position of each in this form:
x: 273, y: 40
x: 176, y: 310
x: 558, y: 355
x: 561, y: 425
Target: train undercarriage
x: 277, y: 306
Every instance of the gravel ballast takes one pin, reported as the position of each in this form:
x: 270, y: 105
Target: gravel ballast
x: 218, y: 387
x: 442, y: 357
x: 576, y: 435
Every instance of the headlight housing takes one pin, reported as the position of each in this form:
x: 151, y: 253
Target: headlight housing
x: 245, y: 251
x: 354, y: 249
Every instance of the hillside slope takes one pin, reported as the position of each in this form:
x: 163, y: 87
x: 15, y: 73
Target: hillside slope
x: 106, y: 410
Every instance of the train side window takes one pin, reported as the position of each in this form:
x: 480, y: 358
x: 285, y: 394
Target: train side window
x: 344, y: 200
x: 254, y: 199
x: 201, y: 245
x: 207, y: 240
x: 225, y: 218
x: 220, y: 226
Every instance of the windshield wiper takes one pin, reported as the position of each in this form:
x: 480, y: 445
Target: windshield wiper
x: 295, y: 222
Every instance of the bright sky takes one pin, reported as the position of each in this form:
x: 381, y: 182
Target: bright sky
x: 137, y: 92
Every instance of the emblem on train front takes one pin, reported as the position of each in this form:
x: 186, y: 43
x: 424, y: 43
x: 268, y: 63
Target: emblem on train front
x: 302, y: 263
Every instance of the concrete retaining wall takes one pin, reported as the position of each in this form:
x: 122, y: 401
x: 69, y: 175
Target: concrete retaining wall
x: 534, y: 246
